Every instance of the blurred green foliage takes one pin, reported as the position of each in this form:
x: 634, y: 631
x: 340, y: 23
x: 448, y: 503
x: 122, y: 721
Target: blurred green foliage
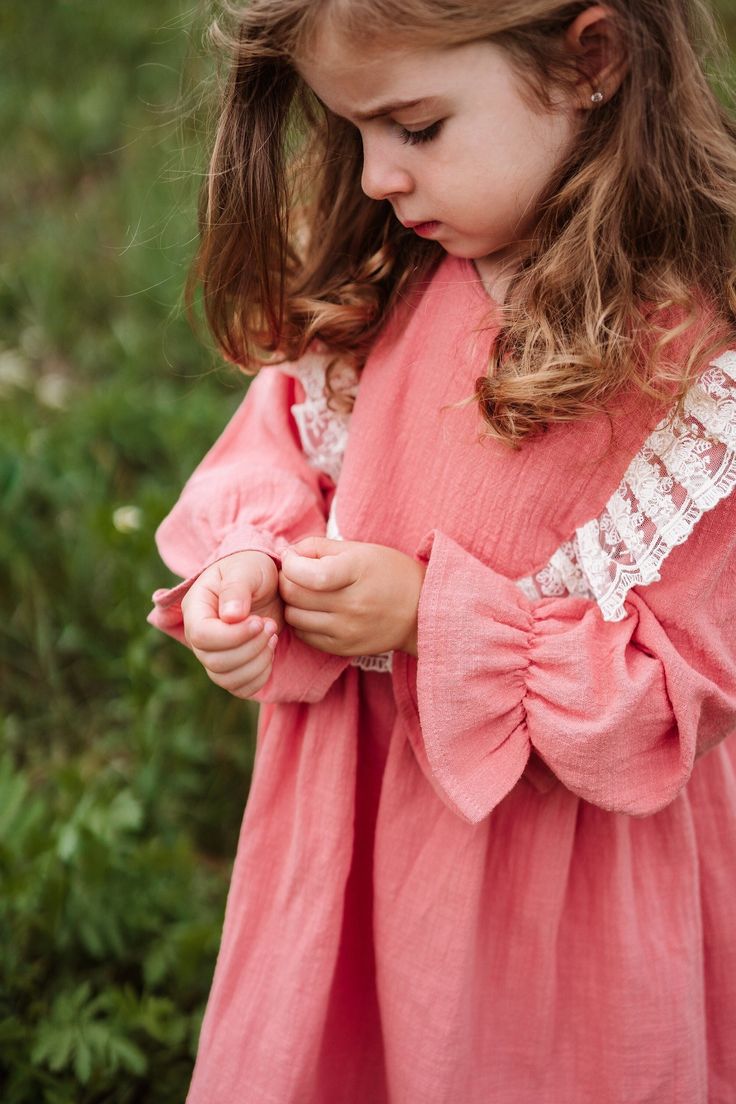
x: 123, y: 770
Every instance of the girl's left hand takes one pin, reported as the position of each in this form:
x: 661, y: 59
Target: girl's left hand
x: 351, y: 598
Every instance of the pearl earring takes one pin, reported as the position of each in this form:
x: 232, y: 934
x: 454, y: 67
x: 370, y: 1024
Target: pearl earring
x: 597, y: 96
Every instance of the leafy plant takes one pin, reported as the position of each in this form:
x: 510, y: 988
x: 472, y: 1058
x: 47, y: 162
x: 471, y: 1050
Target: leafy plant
x: 124, y: 771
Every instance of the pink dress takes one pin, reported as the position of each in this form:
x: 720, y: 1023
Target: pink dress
x: 503, y: 872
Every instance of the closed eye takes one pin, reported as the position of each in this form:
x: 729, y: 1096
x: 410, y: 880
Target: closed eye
x: 416, y: 137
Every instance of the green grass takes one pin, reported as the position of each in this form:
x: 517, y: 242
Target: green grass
x: 124, y: 770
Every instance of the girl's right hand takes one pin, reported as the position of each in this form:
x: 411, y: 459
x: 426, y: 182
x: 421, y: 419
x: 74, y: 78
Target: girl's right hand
x: 231, y: 615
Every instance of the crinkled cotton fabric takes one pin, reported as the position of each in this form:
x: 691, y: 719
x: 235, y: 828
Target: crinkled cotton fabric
x: 503, y: 871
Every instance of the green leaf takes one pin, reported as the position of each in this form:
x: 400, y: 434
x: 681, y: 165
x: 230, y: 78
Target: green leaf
x: 129, y: 1056
x: 67, y: 842
x: 82, y: 1059
x: 54, y: 1046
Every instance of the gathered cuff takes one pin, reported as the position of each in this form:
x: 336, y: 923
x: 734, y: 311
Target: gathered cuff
x: 166, y: 613
x: 471, y: 734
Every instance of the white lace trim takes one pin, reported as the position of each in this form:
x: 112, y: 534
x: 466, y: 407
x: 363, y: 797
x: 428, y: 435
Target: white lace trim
x: 382, y: 663
x: 323, y: 432
x: 685, y: 467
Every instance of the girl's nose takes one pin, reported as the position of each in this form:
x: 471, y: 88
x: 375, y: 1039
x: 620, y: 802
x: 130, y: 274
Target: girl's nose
x: 383, y: 174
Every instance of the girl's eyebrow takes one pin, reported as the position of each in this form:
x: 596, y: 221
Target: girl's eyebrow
x: 388, y: 108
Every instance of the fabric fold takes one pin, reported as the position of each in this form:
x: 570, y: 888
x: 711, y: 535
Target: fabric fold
x: 476, y: 741
x: 613, y: 709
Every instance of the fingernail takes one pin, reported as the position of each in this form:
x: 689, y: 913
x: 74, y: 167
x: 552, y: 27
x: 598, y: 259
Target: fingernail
x: 269, y: 626
x: 232, y: 609
x: 273, y: 642
x: 254, y: 623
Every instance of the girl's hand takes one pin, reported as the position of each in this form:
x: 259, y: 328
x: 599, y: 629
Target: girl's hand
x: 351, y: 598
x: 231, y: 616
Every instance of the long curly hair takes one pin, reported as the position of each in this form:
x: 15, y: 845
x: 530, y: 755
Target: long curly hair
x: 633, y: 249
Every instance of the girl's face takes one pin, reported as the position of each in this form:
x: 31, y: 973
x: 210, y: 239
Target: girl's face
x: 466, y: 154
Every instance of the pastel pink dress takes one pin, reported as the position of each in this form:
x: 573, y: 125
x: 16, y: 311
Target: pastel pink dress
x: 503, y: 872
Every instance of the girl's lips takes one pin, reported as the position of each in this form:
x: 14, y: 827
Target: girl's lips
x: 425, y: 229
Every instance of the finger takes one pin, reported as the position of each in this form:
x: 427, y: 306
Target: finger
x: 312, y: 621
x: 238, y: 581
x: 322, y: 642
x: 237, y: 681
x: 203, y: 629
x: 222, y: 663
x: 330, y: 572
x: 294, y: 595
x: 316, y: 547
x: 255, y: 679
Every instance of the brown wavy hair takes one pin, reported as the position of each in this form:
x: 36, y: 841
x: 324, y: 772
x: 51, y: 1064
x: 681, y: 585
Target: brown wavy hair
x: 634, y: 245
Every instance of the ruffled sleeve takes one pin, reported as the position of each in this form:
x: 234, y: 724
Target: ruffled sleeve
x: 623, y: 675
x: 254, y: 490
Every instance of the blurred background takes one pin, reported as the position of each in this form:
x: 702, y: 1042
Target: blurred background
x: 123, y: 770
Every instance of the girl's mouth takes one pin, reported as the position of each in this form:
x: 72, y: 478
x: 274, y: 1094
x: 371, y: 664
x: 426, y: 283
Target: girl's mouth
x: 426, y: 229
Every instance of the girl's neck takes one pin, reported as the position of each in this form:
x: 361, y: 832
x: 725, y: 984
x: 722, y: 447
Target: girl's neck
x: 496, y: 272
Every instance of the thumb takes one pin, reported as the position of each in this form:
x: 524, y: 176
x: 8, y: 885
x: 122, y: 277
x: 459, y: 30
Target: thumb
x: 316, y: 547
x: 236, y: 589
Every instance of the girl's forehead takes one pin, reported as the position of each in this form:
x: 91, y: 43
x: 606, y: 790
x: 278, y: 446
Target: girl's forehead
x: 330, y: 47
x: 357, y: 82
x: 360, y: 82
x: 332, y: 61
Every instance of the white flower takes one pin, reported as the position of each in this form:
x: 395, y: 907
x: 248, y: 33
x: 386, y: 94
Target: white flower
x: 52, y: 389
x: 127, y: 519
x: 14, y: 370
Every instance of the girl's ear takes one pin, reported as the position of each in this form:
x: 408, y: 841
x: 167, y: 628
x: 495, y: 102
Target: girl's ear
x: 595, y: 40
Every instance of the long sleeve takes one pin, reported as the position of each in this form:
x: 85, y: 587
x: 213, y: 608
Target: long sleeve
x: 618, y: 687
x: 254, y: 490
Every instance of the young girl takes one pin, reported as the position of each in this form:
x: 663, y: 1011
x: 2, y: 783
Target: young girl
x: 471, y: 540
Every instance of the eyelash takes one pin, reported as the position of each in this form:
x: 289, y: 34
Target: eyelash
x: 416, y: 137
